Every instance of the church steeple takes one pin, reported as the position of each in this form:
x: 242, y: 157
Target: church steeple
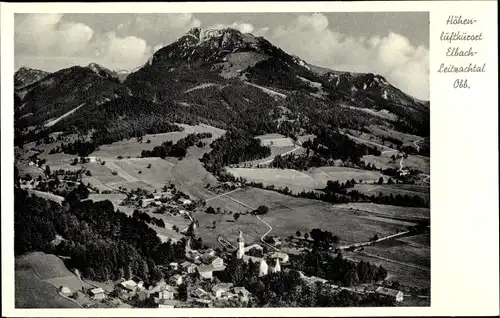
x: 241, y: 246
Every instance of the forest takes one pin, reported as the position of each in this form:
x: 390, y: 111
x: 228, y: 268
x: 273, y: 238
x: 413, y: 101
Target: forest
x: 233, y: 147
x: 179, y: 149
x: 103, y: 244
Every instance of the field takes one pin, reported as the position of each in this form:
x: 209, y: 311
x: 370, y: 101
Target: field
x: 32, y: 292
x: 131, y: 147
x: 288, y: 215
x: 415, y: 162
x: 389, y: 211
x: 47, y: 272
x: 296, y: 181
x: 394, y: 189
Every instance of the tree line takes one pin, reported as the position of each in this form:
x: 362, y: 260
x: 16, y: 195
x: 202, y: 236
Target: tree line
x: 179, y: 149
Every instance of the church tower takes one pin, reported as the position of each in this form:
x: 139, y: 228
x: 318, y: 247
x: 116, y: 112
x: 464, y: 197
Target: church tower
x: 241, y: 246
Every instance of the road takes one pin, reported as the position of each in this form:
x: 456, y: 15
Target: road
x: 416, y: 145
x: 281, y: 155
x: 264, y: 236
x: 371, y: 242
x: 395, y: 262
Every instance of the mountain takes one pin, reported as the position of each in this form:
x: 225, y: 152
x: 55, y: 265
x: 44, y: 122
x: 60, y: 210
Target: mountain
x: 26, y: 76
x: 222, y: 77
x: 226, y: 58
x: 63, y: 91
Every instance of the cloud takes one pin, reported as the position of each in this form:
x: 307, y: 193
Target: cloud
x: 243, y: 27
x: 129, y: 49
x: 405, y: 65
x: 48, y: 34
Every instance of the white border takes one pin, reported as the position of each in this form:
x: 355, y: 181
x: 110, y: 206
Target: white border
x: 464, y: 163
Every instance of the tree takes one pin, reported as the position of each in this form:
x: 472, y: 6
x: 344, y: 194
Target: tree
x: 214, y: 224
x: 298, y: 234
x: 88, y: 173
x: 47, y: 171
x: 380, y: 180
x: 236, y: 216
x: 306, y: 236
x: 182, y: 292
x: 390, y: 181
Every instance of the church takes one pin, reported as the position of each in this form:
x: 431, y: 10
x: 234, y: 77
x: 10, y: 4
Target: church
x: 263, y: 266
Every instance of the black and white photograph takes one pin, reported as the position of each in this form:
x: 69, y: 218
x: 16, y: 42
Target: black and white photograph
x: 222, y: 160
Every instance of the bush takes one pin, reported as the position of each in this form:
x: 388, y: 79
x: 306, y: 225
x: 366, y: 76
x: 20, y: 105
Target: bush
x: 114, y: 173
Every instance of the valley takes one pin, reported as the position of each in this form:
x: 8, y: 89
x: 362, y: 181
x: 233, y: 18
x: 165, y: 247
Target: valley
x: 191, y: 154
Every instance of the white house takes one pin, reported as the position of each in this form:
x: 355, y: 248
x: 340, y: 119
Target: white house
x: 129, y: 285
x: 174, y: 266
x: 392, y: 293
x: 283, y: 257
x: 185, y: 201
x: 97, y: 293
x: 65, y: 291
x: 263, y: 268
x: 167, y: 292
x: 277, y: 267
x: 218, y: 291
x: 205, y: 271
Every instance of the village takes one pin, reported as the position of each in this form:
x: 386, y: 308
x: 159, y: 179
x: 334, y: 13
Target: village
x: 193, y: 280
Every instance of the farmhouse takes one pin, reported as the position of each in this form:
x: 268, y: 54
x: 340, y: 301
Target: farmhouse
x: 188, y: 267
x: 206, y: 271
x: 97, y: 293
x: 276, y: 140
x: 129, y: 285
x: 174, y: 266
x: 254, y: 246
x: 166, y: 293
x: 199, y: 292
x: 65, y: 291
x: 392, y: 293
x: 281, y: 255
x: 220, y: 289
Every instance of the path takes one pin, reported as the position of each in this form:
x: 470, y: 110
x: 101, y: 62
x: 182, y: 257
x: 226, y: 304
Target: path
x: 264, y: 236
x: 55, y: 121
x: 396, y: 262
x: 416, y: 145
x: 376, y: 241
x: 222, y: 194
x: 368, y: 142
x: 281, y: 155
x: 426, y: 179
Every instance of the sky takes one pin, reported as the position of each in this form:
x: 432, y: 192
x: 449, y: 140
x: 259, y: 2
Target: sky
x: 394, y: 45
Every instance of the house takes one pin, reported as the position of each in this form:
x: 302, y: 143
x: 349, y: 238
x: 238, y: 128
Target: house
x: 218, y: 291
x: 221, y: 289
x: 185, y: 201
x: 263, y: 268
x: 146, y: 202
x: 129, y: 285
x: 242, y: 293
x: 139, y: 282
x: 205, y: 271
x: 283, y: 257
x: 167, y: 292
x: 254, y: 246
x: 392, y: 293
x: 209, y: 259
x: 65, y: 291
x: 174, y: 266
x: 199, y: 293
x: 188, y: 267
x: 97, y: 293
x: 176, y: 280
